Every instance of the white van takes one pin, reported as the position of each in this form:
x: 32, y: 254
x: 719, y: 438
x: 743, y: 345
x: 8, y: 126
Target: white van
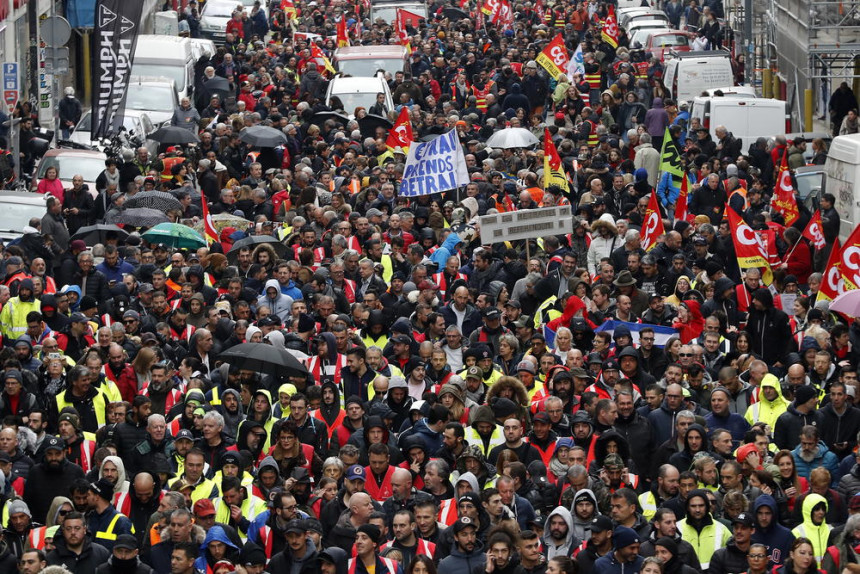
x: 367, y: 60
x: 688, y: 74
x: 746, y: 118
x: 168, y: 56
x: 358, y: 92
x: 842, y: 178
x: 387, y: 11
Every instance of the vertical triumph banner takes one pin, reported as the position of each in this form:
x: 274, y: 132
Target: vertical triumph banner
x: 117, y: 26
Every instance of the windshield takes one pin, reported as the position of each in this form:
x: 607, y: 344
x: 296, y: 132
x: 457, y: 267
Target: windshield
x: 14, y: 216
x: 175, y: 73
x: 354, y: 100
x: 69, y: 165
x: 85, y: 125
x: 663, y: 40
x: 369, y: 67
x: 389, y: 12
x: 155, y: 98
x: 219, y: 10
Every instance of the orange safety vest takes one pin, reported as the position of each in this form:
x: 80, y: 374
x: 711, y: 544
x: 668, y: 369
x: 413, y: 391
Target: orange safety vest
x: 425, y: 547
x: 481, y: 95
x: 376, y: 491
x: 36, y: 538
x: 169, y: 162
x: 442, y: 283
x: 545, y: 455
x: 349, y: 290
x: 317, y: 414
x: 593, y: 80
x: 740, y: 191
x: 592, y: 134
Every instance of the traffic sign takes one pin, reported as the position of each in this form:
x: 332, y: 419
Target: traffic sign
x: 10, y: 84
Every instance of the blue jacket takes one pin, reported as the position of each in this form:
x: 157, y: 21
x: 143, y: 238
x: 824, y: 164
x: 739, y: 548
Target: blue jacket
x: 97, y: 523
x: 525, y: 512
x: 216, y: 533
x: 663, y: 421
x: 734, y: 423
x: 610, y: 565
x: 459, y: 563
x: 290, y: 290
x: 824, y: 458
x: 432, y: 440
x: 776, y: 537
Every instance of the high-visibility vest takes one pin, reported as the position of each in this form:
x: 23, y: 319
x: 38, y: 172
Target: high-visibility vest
x: 425, y: 547
x: 36, y: 538
x: 545, y: 308
x: 370, y: 341
x: 740, y: 191
x: 706, y: 542
x: 252, y: 506
x: 593, y: 79
x: 338, y: 421
x: 379, y: 492
x: 387, y: 268
x: 592, y: 134
x: 202, y: 490
x: 648, y: 502
x: 496, y: 438
x: 174, y: 397
x: 88, y: 449
x: 481, y: 95
x: 819, y: 545
x: 349, y: 290
x: 110, y: 390
x: 330, y: 371
x: 447, y: 512
x: 440, y: 280
x: 169, y: 162
x: 109, y: 534
x: 99, y: 402
x: 545, y: 454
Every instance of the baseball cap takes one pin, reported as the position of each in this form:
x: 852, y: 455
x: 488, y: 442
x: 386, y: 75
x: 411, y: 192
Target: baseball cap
x: 126, y: 541
x: 474, y: 372
x: 204, y: 507
x: 492, y: 313
x: 610, y: 365
x: 145, y: 288
x: 78, y: 318
x: 184, y: 434
x: 542, y: 417
x: 295, y: 526
x: 527, y: 366
x: 744, y: 518
x: 356, y: 472
x: 53, y: 443
x: 601, y: 524
x: 148, y: 338
x: 463, y: 523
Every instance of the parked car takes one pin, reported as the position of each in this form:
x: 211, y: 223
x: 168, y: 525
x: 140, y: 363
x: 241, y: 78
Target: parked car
x: 358, y: 92
x: 661, y: 43
x: 153, y: 95
x: 17, y: 208
x: 367, y: 60
x: 136, y: 123
x: 71, y: 162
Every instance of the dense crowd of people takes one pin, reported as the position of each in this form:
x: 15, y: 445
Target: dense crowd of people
x: 576, y: 405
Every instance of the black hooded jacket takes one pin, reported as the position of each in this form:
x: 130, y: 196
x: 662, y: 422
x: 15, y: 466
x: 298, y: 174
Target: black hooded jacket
x: 770, y: 332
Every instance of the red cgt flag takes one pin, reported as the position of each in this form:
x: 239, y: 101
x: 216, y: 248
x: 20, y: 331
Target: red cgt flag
x: 609, y: 33
x: 208, y: 226
x: 849, y: 260
x: 653, y: 225
x: 783, y: 199
x: 682, y: 212
x: 401, y: 134
x: 748, y: 247
x: 814, y: 231
x: 832, y: 284
x: 342, y: 36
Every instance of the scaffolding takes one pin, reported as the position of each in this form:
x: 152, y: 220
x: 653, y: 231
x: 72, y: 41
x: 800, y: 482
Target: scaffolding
x: 809, y: 45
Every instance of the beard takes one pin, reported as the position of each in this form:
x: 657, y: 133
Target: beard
x: 54, y: 466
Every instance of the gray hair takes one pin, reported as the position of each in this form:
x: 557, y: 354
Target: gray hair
x: 631, y: 235
x: 214, y: 416
x: 443, y: 470
x: 156, y: 418
x: 686, y: 415
x: 576, y: 471
x: 645, y: 138
x: 333, y: 461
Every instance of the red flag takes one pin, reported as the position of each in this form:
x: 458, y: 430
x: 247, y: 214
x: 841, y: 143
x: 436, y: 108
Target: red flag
x: 814, y: 231
x: 342, y: 37
x: 208, y: 227
x: 748, y: 247
x: 849, y: 260
x: 401, y: 134
x: 320, y: 57
x: 554, y: 57
x: 783, y: 199
x: 832, y: 285
x: 653, y: 224
x: 609, y: 33
x: 682, y: 212
x: 400, y: 29
x: 410, y: 18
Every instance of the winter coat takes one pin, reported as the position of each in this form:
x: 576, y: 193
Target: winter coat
x: 609, y: 564
x: 582, y: 527
x: 770, y: 332
x: 823, y: 458
x: 849, y: 484
x: 92, y: 555
x: 281, y: 305
x: 764, y: 410
x: 649, y: 158
x: 43, y: 484
x: 838, y: 429
x: 458, y: 562
x: 663, y: 422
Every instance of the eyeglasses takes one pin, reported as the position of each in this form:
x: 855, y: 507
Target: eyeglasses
x: 646, y: 338
x: 129, y: 321
x: 63, y: 512
x: 757, y: 556
x: 685, y: 354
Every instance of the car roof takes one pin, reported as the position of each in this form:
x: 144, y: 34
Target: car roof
x: 360, y: 52
x: 151, y: 80
x: 347, y: 84
x: 75, y: 153
x: 8, y: 196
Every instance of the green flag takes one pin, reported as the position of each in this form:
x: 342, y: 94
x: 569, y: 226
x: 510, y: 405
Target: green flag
x: 670, y: 157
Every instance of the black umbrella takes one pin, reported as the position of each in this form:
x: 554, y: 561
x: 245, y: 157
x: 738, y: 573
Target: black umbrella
x: 454, y: 14
x: 254, y: 240
x: 160, y: 200
x: 174, y: 135
x: 263, y: 136
x: 137, y: 217
x: 264, y: 358
x: 319, y: 118
x: 368, y: 124
x: 217, y: 86
x: 92, y: 234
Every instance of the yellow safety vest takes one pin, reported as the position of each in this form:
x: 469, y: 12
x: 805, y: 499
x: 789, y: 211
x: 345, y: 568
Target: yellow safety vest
x: 99, y: 406
x: 109, y: 533
x: 252, y: 506
x: 496, y: 438
x: 648, y: 502
x: 545, y: 307
x: 706, y: 542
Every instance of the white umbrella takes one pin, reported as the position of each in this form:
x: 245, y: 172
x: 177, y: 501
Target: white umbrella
x: 509, y: 138
x: 847, y: 303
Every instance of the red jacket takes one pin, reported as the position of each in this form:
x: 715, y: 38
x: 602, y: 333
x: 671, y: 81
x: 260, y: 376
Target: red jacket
x: 691, y: 330
x: 800, y: 263
x: 125, y: 380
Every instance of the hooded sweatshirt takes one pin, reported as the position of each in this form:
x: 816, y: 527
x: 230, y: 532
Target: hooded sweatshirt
x: 691, y: 330
x: 776, y: 537
x: 705, y: 534
x: 280, y: 304
x: 764, y: 410
x: 215, y: 534
x: 818, y: 534
x: 582, y: 527
x: 571, y: 541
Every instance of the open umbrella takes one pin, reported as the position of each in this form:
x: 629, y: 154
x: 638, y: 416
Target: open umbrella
x: 263, y: 136
x: 510, y: 138
x: 92, y: 234
x: 264, y: 358
x: 160, y: 200
x: 217, y: 86
x: 847, y: 303
x: 254, y: 240
x: 174, y: 135
x: 137, y: 217
x: 319, y: 118
x: 368, y: 124
x: 175, y: 235
x: 222, y: 220
x: 454, y: 14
